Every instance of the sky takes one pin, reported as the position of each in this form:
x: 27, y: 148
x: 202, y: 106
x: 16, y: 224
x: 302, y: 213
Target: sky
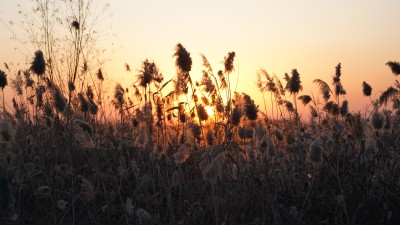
x: 312, y: 36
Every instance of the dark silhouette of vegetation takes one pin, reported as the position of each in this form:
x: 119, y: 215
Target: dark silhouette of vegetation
x: 193, y: 155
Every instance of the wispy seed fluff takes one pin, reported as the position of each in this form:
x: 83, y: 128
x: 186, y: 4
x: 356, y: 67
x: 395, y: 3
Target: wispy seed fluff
x: 377, y: 120
x: 315, y: 151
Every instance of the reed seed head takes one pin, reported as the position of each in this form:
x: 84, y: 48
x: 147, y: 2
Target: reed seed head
x: 38, y: 64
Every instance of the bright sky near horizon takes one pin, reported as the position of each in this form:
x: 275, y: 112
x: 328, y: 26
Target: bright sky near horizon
x: 312, y: 36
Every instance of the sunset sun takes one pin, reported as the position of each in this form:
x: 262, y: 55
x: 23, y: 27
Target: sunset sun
x: 209, y: 110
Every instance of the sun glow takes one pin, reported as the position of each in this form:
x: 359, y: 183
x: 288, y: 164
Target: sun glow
x: 209, y: 110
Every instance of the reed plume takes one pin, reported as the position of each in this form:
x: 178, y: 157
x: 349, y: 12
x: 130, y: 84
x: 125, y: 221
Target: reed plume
x: 183, y: 59
x: 367, y: 89
x: 228, y: 62
x: 395, y: 67
x: 3, y: 79
x: 38, y: 65
x: 250, y: 108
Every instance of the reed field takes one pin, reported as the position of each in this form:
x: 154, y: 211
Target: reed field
x: 185, y: 151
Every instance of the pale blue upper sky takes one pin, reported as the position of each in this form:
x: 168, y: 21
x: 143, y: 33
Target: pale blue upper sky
x: 312, y: 36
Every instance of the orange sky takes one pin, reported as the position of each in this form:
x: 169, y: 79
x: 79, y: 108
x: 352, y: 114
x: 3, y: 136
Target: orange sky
x: 312, y: 36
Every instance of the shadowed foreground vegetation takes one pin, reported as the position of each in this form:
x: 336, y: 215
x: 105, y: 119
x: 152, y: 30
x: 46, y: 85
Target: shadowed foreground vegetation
x: 151, y: 156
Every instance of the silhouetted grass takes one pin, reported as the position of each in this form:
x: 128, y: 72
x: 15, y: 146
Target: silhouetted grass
x: 166, y: 161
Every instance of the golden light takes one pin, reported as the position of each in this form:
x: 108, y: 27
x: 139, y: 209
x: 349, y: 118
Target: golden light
x: 209, y: 110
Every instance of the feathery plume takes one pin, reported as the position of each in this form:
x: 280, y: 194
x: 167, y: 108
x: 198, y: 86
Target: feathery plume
x: 339, y: 90
x: 289, y: 106
x: 38, y: 64
x: 386, y: 95
x: 332, y: 108
x: 367, y: 89
x: 305, y: 99
x: 59, y: 100
x: 250, y: 108
x: 236, y: 115
x: 148, y: 73
x: 75, y: 24
x: 206, y: 64
x: 183, y: 59
x: 202, y: 113
x: 3, y: 79
x: 395, y: 67
x: 206, y: 81
x: 323, y: 88
x: 229, y: 62
x: 119, y: 94
x: 16, y: 84
x: 293, y: 83
x: 222, y: 80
